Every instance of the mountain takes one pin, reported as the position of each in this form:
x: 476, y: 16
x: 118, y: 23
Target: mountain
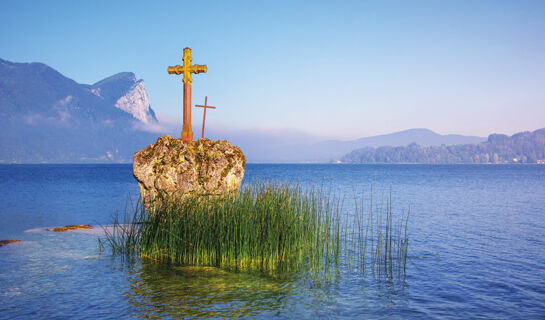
x: 126, y: 94
x: 523, y: 147
x: 46, y: 117
x: 289, y: 146
x: 421, y: 136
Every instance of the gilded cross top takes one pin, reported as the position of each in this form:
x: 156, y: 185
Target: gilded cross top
x: 187, y: 69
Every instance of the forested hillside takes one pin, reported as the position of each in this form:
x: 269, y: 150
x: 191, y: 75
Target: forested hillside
x: 523, y: 147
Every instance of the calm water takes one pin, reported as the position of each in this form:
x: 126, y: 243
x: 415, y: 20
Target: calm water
x: 477, y: 249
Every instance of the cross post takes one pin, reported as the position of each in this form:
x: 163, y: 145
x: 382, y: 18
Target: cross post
x: 187, y: 69
x: 204, y: 114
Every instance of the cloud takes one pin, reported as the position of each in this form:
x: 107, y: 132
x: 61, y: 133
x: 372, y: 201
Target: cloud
x: 60, y: 107
x: 164, y: 125
x: 32, y: 118
x: 260, y: 135
x: 259, y: 144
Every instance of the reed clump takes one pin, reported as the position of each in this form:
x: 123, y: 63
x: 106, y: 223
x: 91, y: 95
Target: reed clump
x: 273, y: 228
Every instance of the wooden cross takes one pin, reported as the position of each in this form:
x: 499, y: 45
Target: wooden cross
x: 187, y: 69
x: 204, y: 115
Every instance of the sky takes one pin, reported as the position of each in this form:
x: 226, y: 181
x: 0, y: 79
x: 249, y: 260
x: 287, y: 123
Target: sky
x: 333, y: 69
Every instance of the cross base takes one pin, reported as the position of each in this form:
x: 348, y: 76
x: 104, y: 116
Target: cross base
x: 187, y: 133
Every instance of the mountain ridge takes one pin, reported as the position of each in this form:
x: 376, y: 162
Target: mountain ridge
x: 521, y: 147
x: 47, y: 117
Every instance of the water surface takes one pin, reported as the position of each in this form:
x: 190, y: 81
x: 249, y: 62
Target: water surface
x: 476, y: 248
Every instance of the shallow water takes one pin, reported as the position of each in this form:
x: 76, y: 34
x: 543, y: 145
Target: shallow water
x: 476, y: 249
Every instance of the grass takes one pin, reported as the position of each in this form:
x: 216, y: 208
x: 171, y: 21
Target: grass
x: 272, y: 228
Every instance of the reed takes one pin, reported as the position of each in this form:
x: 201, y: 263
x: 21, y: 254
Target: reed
x: 380, y: 243
x: 272, y: 228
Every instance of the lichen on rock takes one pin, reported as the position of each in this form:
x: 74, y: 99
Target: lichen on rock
x: 175, y: 168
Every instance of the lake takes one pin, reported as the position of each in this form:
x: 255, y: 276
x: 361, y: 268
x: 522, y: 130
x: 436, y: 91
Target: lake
x: 476, y: 248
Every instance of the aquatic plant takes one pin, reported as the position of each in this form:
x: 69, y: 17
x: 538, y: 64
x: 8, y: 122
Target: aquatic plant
x: 274, y: 228
x: 378, y: 243
x: 123, y: 237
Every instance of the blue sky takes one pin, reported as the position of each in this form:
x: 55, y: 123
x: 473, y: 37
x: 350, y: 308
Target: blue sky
x: 337, y: 69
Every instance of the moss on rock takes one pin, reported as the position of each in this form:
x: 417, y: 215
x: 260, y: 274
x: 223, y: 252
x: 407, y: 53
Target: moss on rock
x: 175, y: 168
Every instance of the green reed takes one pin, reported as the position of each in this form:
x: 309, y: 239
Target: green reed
x: 379, y: 242
x: 267, y: 227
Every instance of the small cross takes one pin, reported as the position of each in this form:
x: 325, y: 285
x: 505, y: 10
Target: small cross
x: 204, y: 115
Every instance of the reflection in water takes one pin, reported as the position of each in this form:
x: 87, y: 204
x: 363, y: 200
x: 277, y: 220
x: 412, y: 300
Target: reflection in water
x: 160, y: 291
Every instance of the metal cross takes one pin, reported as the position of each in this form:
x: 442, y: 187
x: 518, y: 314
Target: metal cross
x: 204, y: 115
x: 187, y: 69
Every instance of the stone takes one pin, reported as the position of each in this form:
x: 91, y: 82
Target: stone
x: 175, y: 168
x: 70, y: 227
x: 4, y: 242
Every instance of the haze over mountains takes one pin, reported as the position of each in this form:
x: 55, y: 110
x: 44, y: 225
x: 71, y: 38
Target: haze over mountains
x: 46, y: 117
x: 285, y: 146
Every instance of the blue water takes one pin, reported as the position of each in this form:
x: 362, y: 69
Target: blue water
x: 477, y: 249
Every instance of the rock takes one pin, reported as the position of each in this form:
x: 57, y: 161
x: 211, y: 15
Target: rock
x: 71, y: 227
x: 175, y: 168
x: 136, y: 102
x: 4, y: 242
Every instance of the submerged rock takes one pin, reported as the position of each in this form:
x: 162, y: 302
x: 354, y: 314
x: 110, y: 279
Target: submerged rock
x: 4, y: 242
x: 175, y: 168
x: 71, y: 227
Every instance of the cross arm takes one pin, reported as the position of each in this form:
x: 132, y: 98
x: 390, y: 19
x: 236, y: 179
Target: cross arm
x: 175, y: 70
x: 210, y: 107
x: 198, y: 68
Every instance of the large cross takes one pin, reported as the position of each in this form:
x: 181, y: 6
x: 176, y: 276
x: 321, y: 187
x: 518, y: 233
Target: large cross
x: 187, y: 69
x: 204, y: 115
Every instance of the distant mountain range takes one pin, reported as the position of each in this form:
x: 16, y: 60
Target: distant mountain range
x: 289, y: 146
x: 284, y: 150
x: 523, y: 147
x: 46, y: 117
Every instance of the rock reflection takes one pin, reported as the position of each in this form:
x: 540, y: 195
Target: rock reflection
x: 160, y: 291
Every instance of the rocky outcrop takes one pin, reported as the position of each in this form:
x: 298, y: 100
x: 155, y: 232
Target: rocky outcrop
x: 136, y: 102
x: 71, y: 227
x: 175, y: 168
x: 127, y: 94
x: 4, y: 242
